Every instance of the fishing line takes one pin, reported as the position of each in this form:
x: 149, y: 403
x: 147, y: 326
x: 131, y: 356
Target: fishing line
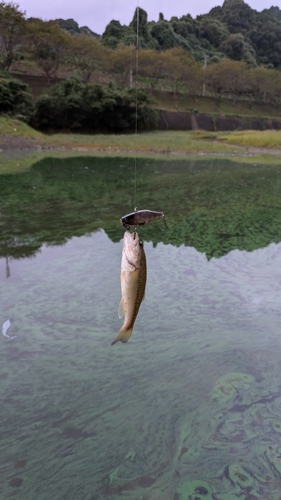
x: 136, y: 92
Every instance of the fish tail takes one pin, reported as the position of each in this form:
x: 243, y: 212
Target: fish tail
x: 123, y: 336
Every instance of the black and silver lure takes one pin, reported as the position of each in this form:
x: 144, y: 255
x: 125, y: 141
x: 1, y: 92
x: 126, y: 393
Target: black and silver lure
x: 140, y: 218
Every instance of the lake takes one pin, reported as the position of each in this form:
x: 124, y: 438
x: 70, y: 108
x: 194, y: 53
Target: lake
x: 190, y: 407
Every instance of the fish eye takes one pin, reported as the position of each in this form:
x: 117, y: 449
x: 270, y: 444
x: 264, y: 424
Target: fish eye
x: 141, y: 244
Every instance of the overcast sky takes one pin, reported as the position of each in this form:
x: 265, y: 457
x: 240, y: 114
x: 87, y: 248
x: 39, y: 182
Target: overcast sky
x: 96, y: 14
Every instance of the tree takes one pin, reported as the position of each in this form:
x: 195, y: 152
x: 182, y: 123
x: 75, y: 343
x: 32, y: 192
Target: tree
x: 193, y: 77
x: 121, y: 63
x: 139, y: 22
x: 72, y: 104
x: 152, y: 67
x: 62, y: 106
x: 214, y: 31
x: 139, y: 26
x: 166, y: 38
x: 237, y: 49
x: 182, y: 28
x: 15, y: 97
x: 266, y: 42
x: 238, y: 16
x: 87, y: 55
x: 12, y: 27
x: 174, y: 69
x: 227, y: 77
x: 115, y: 34
x: 264, y: 85
x: 273, y: 11
x: 49, y: 43
x: 73, y: 28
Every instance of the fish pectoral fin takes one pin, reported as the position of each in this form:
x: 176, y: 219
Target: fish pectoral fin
x: 121, y: 311
x: 123, y: 336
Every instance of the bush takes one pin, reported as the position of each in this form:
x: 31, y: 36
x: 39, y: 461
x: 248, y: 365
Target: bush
x: 15, y: 97
x: 75, y: 105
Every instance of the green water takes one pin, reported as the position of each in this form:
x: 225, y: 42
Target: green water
x: 190, y: 408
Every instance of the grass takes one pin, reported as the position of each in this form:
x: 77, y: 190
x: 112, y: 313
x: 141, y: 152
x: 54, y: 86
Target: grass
x: 268, y: 139
x: 16, y: 128
x: 176, y: 144
x: 150, y: 142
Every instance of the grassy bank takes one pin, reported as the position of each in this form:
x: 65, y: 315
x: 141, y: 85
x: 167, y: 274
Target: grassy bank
x: 268, y: 139
x: 13, y: 132
x: 21, y: 142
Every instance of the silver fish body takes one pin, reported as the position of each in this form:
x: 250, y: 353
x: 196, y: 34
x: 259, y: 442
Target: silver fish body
x: 133, y: 282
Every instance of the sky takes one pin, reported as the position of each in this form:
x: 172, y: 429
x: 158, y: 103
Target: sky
x: 96, y: 14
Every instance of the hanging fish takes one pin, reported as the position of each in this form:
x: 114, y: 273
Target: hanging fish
x: 133, y: 281
x: 140, y: 218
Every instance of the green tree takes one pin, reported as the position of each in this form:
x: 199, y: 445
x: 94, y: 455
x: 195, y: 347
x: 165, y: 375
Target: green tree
x: 266, y: 40
x: 139, y: 26
x: 15, y: 98
x: 238, y: 16
x: 115, y: 34
x: 236, y: 48
x: 69, y: 25
x: 273, y: 11
x: 139, y: 22
x: 214, y: 31
x: 166, y: 38
x: 48, y: 44
x: 72, y: 104
x: 182, y: 28
x: 73, y: 28
x: 12, y: 27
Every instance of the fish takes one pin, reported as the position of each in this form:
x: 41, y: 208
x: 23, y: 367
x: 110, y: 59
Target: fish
x: 140, y: 218
x: 133, y: 281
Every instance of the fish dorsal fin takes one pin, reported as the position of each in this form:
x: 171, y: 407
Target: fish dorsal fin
x: 121, y: 311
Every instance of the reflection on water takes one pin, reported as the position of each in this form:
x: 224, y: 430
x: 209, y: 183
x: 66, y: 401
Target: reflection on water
x: 190, y: 408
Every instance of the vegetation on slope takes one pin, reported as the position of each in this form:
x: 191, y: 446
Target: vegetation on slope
x: 232, y: 54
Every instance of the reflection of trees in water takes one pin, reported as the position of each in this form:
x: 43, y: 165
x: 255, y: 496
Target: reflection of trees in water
x: 8, y: 272
x: 19, y: 247
x: 215, y: 206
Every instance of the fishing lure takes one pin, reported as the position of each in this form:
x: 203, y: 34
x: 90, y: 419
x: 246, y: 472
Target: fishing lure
x: 140, y: 218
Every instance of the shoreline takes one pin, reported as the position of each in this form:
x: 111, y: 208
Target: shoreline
x: 19, y: 144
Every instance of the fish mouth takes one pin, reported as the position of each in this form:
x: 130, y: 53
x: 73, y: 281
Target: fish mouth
x: 132, y: 238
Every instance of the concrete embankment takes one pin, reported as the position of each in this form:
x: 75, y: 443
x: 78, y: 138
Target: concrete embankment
x: 177, y: 120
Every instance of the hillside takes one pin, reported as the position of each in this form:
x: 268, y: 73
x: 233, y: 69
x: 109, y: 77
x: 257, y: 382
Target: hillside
x: 57, y: 75
x: 234, y: 30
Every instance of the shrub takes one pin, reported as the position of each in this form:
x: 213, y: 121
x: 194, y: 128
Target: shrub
x: 75, y: 105
x: 15, y: 97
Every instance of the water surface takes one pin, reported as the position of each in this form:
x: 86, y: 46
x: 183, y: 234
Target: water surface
x: 189, y: 409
